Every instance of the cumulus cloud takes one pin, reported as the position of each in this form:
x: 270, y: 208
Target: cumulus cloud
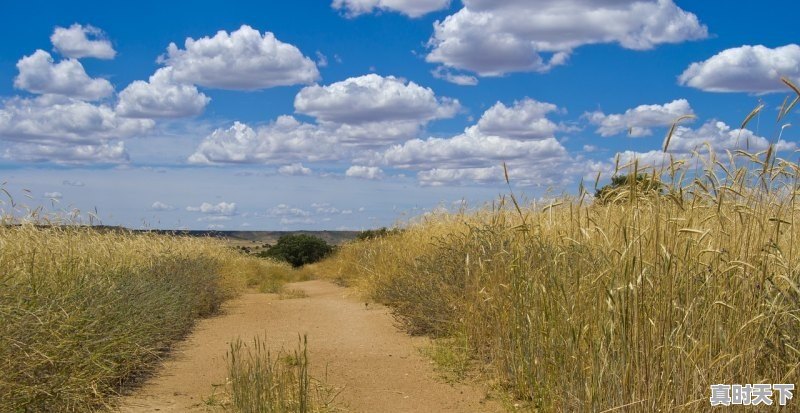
x: 717, y: 134
x: 62, y: 130
x: 373, y: 110
x: 52, y: 120
x: 639, y: 121
x: 53, y: 195
x: 755, y: 69
x: 364, y: 172
x: 241, y: 60
x: 362, y: 112
x: 373, y: 98
x: 161, y: 97
x: 458, y: 79
x: 411, y: 8
x: 69, y: 154
x: 325, y: 208
x: 526, y: 119
x: 492, y: 37
x: 79, y: 41
x: 296, y: 169
x: 283, y: 210
x: 439, y: 177
x: 160, y: 206
x: 222, y: 208
x: 469, y: 149
x: 519, y: 135
x: 284, y: 140
x: 38, y: 73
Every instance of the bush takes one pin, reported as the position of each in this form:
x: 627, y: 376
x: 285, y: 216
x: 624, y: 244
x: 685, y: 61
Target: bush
x: 298, y: 250
x: 377, y: 233
x: 623, y: 185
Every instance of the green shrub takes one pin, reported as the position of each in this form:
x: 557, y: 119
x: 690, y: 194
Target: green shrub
x: 299, y: 249
x: 377, y: 233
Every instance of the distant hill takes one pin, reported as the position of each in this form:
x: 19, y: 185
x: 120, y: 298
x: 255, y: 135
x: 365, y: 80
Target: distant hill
x: 241, y: 237
x: 266, y: 237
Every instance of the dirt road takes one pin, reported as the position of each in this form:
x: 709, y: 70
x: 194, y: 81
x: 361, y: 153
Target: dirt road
x: 378, y: 367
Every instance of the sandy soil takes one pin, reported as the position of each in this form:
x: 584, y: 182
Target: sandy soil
x: 378, y: 367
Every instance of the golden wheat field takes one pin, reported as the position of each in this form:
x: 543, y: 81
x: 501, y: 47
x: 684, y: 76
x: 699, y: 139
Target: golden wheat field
x: 638, y: 301
x: 85, y: 313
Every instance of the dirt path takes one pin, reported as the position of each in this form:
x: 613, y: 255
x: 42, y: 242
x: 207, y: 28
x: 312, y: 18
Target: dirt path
x: 379, y: 367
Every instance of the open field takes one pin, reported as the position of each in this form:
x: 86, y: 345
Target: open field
x: 86, y: 313
x: 639, y: 301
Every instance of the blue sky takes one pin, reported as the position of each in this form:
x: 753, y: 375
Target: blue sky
x: 359, y: 113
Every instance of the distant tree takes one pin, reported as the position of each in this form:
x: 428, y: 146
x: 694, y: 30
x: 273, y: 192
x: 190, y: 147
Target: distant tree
x: 643, y: 183
x: 299, y: 249
x: 376, y: 233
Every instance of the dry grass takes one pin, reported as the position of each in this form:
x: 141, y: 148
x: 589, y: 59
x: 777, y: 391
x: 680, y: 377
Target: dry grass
x: 642, y: 301
x: 83, y: 312
x: 262, y: 382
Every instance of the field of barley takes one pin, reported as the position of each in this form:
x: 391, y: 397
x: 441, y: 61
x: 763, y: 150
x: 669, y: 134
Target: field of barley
x: 637, y: 300
x: 85, y: 313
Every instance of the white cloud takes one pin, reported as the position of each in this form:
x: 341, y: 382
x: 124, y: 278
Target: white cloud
x: 53, y: 195
x: 469, y: 149
x: 216, y: 227
x: 53, y: 120
x: 38, y: 73
x: 755, y: 69
x: 69, y: 154
x: 373, y: 110
x: 519, y: 136
x: 369, y: 135
x: 526, y: 119
x: 361, y: 112
x: 322, y: 60
x: 79, y: 41
x: 373, y: 98
x: 62, y: 130
x: 283, y: 210
x: 241, y: 60
x: 717, y: 134
x: 160, y: 206
x: 364, y: 172
x: 222, y: 208
x: 73, y: 183
x: 161, y: 97
x: 639, y: 121
x: 296, y: 169
x: 296, y: 220
x: 325, y: 208
x: 492, y: 37
x: 458, y: 79
x: 411, y: 8
x: 721, y: 137
x: 284, y: 140
x: 214, y: 218
x: 438, y: 177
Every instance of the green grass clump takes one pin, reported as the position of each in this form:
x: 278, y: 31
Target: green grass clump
x: 643, y: 302
x: 83, y: 313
